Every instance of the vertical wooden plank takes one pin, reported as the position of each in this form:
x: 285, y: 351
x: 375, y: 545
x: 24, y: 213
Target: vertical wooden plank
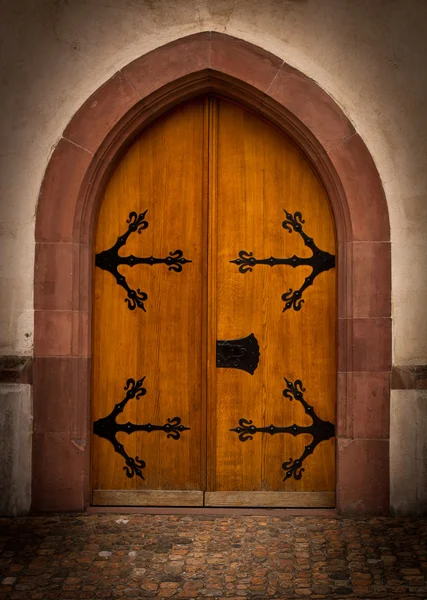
x: 261, y: 173
x: 162, y: 172
x: 204, y: 313
x: 212, y: 293
x: 238, y: 218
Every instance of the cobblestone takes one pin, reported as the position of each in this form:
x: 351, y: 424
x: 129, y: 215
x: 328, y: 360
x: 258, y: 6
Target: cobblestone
x: 90, y: 557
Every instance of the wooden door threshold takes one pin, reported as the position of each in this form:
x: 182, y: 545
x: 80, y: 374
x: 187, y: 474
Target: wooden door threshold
x: 215, y: 503
x: 270, y: 499
x: 147, y: 498
x: 174, y: 510
x: 143, y: 500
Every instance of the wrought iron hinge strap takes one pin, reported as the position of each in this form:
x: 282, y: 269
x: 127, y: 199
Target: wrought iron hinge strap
x: 320, y: 430
x: 109, y: 260
x: 107, y: 427
x: 319, y: 261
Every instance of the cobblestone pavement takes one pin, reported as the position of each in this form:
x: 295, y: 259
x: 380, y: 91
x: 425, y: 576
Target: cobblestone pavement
x: 234, y: 557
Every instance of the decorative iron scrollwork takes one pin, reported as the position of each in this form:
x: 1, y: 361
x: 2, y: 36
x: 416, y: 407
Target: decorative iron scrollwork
x: 320, y: 261
x: 107, y: 427
x: 238, y: 354
x: 109, y: 260
x: 320, y: 430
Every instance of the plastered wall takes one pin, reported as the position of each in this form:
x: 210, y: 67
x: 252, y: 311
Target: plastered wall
x: 369, y: 55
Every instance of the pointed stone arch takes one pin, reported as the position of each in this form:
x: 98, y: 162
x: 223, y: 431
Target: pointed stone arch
x: 78, y: 170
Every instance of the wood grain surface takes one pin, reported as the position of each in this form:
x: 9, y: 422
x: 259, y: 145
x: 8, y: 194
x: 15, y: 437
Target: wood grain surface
x: 162, y: 173
x: 215, y: 180
x: 147, y: 498
x: 271, y: 499
x: 259, y: 174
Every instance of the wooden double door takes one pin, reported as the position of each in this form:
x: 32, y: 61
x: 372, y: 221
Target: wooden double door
x: 214, y: 318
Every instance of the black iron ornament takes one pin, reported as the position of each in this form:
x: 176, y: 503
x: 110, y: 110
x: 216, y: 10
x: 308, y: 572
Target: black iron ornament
x: 320, y: 430
x: 108, y: 428
x: 320, y: 261
x: 238, y: 354
x: 110, y: 260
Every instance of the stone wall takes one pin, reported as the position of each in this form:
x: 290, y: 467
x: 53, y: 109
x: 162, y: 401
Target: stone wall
x: 369, y: 56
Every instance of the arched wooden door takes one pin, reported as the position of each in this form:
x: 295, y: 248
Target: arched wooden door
x: 214, y: 346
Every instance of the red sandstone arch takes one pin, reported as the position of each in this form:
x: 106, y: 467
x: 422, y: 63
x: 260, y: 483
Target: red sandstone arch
x: 73, y: 184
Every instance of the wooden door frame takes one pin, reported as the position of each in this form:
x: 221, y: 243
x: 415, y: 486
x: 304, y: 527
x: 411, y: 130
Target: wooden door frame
x: 91, y: 146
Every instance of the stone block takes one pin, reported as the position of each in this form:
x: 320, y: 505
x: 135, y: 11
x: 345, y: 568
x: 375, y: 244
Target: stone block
x: 421, y: 452
x: 408, y: 453
x: 15, y: 448
x: 362, y: 477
